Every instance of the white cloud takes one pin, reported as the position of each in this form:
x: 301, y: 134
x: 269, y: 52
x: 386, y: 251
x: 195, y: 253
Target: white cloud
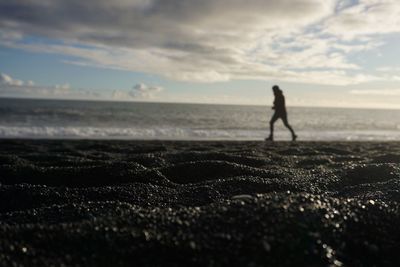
x: 64, y: 86
x: 143, y: 91
x: 17, y: 88
x: 7, y: 80
x: 140, y: 91
x: 377, y: 92
x: 365, y: 18
x: 388, y: 69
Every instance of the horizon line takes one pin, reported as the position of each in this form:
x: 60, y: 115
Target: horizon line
x: 190, y: 103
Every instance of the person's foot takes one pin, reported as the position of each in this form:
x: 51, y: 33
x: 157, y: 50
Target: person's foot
x: 294, y: 137
x: 269, y: 138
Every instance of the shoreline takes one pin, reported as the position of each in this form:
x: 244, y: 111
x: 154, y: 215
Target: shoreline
x: 62, y: 139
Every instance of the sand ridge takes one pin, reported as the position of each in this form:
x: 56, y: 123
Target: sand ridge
x: 158, y: 203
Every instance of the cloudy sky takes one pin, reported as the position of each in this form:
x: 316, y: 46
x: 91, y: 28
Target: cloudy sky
x: 322, y: 53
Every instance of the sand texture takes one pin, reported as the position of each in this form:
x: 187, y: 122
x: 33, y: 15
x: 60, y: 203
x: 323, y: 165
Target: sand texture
x: 121, y: 203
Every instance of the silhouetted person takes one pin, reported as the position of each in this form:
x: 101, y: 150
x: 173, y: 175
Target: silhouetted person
x: 280, y: 112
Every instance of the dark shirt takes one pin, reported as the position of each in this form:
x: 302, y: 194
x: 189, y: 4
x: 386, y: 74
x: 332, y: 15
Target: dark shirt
x: 279, y: 103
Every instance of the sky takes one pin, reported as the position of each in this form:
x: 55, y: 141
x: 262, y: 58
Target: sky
x: 336, y: 53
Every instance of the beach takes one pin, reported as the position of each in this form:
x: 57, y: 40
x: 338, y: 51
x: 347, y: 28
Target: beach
x: 199, y: 203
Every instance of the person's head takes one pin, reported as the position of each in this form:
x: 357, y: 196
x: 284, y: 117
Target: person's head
x: 276, y: 90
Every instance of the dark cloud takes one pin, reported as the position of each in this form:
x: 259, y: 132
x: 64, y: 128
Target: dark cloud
x: 207, y: 40
x: 173, y: 24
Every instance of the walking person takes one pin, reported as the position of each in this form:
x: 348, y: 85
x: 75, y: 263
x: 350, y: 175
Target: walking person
x: 280, y: 113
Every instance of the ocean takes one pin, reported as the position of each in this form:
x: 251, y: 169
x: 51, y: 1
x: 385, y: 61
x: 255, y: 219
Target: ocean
x: 57, y: 119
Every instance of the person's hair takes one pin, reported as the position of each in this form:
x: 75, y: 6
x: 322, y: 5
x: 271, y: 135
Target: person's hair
x: 276, y: 89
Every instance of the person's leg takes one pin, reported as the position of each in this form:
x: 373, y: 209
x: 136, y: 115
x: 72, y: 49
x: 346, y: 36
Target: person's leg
x: 271, y: 126
x: 286, y: 123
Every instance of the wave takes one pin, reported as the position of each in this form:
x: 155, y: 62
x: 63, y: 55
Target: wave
x: 124, y: 133
x: 179, y: 133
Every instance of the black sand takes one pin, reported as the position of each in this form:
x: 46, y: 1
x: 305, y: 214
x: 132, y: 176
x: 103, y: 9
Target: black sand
x: 120, y: 203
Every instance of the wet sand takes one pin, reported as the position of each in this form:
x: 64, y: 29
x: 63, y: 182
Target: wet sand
x: 153, y: 203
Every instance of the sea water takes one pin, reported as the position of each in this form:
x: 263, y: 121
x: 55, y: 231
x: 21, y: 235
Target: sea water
x: 52, y: 119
